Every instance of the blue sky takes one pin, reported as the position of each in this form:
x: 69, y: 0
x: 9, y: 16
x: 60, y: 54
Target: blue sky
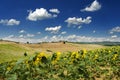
x: 54, y: 20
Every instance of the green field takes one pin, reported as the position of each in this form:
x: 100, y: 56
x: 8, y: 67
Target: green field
x: 92, y: 64
x: 12, y: 51
x: 58, y: 61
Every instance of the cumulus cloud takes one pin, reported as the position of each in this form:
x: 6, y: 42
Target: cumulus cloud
x: 79, y: 27
x: 21, y: 36
x: 76, y: 38
x: 9, y: 22
x: 115, y: 29
x: 64, y: 32
x: 95, y: 5
x: 21, y: 39
x: 53, y: 29
x: 10, y: 36
x: 54, y: 11
x: 39, y: 14
x: 114, y: 36
x: 72, y: 38
x: 30, y: 35
x: 22, y: 31
x: 78, y: 21
x: 24, y: 34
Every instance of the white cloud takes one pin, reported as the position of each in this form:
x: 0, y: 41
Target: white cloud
x: 22, y: 31
x: 115, y: 29
x: 54, y: 11
x: 95, y: 5
x: 64, y: 32
x: 72, y: 38
x: 39, y: 14
x: 43, y: 39
x: 111, y: 32
x: 78, y: 21
x: 54, y: 15
x: 9, y: 22
x: 10, y: 36
x: 114, y: 36
x: 21, y: 36
x: 53, y: 29
x: 24, y: 34
x: 54, y: 38
x: 79, y: 27
x: 76, y: 38
x: 30, y: 35
x: 22, y: 39
x: 38, y: 32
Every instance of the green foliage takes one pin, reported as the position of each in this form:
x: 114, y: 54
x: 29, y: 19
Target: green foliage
x: 10, y: 52
x: 101, y: 64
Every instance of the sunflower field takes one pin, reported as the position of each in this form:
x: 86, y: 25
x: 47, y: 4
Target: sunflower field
x: 99, y: 64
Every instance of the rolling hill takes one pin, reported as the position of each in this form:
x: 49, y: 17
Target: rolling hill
x: 13, y: 50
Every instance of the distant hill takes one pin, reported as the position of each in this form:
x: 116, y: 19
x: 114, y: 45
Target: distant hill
x: 105, y: 43
x: 10, y: 50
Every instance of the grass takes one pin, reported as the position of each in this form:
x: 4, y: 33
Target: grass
x: 44, y: 47
x: 100, y: 64
x: 12, y: 51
